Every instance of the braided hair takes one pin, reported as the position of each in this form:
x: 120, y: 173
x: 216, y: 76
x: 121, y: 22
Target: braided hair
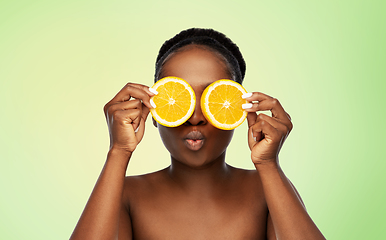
x: 213, y: 40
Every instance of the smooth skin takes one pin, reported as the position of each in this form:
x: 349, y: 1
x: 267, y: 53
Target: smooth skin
x: 198, y: 196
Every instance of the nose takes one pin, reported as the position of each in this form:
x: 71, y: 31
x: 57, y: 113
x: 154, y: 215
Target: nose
x: 197, y: 117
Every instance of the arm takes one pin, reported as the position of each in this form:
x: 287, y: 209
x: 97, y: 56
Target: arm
x: 288, y: 218
x: 100, y: 217
x: 104, y: 211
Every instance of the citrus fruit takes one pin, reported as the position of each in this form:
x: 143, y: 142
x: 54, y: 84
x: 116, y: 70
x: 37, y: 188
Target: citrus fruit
x: 175, y: 101
x: 221, y: 103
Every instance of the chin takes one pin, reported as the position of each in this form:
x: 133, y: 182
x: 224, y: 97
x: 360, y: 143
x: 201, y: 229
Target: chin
x: 197, y: 160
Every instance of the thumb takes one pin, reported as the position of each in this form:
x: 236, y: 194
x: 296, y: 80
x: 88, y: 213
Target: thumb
x: 254, y: 136
x: 140, y: 131
x: 251, y: 140
x: 145, y: 112
x: 251, y: 119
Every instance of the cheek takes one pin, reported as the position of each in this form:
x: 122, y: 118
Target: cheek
x: 221, y: 139
x: 168, y: 137
x: 227, y: 135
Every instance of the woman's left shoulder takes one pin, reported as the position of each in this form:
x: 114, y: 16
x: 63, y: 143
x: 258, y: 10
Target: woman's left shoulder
x: 246, y: 177
x: 249, y: 186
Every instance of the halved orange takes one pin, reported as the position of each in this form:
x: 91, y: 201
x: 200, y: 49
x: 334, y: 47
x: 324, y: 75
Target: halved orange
x: 175, y: 101
x: 221, y: 103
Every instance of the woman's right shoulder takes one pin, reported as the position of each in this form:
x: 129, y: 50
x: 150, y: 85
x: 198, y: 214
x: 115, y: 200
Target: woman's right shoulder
x: 141, y: 185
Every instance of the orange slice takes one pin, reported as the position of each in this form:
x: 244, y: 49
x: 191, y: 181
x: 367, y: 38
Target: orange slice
x: 221, y: 103
x: 175, y: 101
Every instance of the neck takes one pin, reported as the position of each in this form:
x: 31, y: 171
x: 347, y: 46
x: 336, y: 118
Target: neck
x: 205, y: 177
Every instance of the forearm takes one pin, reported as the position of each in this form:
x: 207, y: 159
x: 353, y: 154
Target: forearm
x: 289, y: 217
x: 100, y: 217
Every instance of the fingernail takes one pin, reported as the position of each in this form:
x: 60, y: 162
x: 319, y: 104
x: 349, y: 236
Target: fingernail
x: 254, y: 138
x: 246, y: 95
x: 247, y: 105
x: 152, y: 103
x: 153, y: 91
x: 136, y: 130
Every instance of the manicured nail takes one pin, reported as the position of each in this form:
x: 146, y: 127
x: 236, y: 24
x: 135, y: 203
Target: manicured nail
x: 152, y: 103
x: 136, y: 130
x: 153, y: 91
x: 247, y: 105
x: 254, y: 138
x: 247, y: 95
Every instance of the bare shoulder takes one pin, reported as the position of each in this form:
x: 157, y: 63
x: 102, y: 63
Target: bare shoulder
x: 246, y: 177
x: 139, y: 185
x: 247, y: 183
x: 244, y: 172
x: 147, y: 178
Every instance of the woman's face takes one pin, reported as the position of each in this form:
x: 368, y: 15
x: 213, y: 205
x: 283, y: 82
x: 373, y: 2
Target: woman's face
x: 196, y: 143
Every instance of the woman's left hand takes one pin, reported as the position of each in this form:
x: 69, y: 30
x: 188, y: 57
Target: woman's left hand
x: 266, y: 134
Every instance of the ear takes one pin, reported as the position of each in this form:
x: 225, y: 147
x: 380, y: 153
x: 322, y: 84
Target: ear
x: 154, y: 122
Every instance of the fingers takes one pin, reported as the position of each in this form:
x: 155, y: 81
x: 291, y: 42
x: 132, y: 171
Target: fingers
x: 129, y: 91
x: 145, y: 112
x: 264, y: 103
x: 262, y: 126
x: 140, y: 109
x: 251, y: 118
x: 128, y: 116
x: 281, y: 128
x: 123, y: 132
x: 263, y: 130
x: 132, y: 109
x: 132, y: 104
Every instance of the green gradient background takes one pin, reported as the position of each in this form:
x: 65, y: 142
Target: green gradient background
x: 61, y: 61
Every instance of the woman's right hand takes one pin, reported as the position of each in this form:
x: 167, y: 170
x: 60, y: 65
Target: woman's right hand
x: 126, y: 114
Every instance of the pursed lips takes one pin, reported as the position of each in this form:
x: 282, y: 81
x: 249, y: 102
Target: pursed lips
x: 194, y: 140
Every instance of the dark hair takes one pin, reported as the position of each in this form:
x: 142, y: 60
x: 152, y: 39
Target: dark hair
x: 210, y: 38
